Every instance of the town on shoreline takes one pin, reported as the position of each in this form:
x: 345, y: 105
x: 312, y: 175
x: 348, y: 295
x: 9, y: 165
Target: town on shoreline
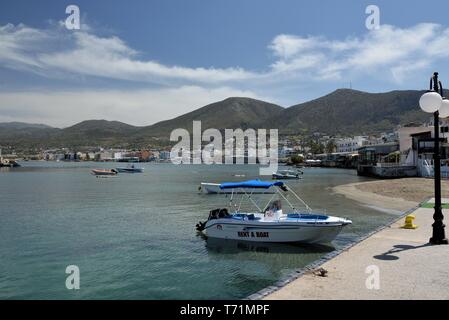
x: 405, y: 152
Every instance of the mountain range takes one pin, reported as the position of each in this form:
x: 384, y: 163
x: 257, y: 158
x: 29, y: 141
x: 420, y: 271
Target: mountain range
x: 343, y: 112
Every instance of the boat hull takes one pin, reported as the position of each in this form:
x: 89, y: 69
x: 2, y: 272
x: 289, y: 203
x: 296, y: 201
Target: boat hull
x: 104, y: 173
x: 11, y: 164
x: 129, y: 170
x: 285, y: 177
x: 273, y: 232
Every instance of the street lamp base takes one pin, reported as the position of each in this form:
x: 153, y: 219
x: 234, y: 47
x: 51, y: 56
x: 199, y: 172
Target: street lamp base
x: 438, y: 241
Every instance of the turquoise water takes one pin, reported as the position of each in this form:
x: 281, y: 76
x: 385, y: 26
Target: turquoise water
x: 133, y: 236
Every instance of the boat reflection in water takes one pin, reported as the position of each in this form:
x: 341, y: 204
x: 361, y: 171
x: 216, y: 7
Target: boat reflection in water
x: 264, y: 261
x: 236, y: 246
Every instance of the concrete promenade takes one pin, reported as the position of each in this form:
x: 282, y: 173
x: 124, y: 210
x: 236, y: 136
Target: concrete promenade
x: 407, y: 267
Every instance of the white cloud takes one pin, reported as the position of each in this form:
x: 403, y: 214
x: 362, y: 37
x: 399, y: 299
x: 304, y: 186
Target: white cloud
x: 18, y: 44
x: 389, y: 55
x: 54, y: 51
x: 50, y: 51
x: 386, y: 51
x: 137, y: 107
x: 286, y: 46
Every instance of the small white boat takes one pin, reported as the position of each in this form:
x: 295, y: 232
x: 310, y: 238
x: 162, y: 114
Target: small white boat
x: 214, y: 188
x: 287, y: 174
x: 271, y: 224
x: 104, y: 172
x: 9, y: 163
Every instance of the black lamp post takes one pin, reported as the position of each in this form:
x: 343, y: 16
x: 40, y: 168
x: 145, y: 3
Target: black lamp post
x: 432, y: 101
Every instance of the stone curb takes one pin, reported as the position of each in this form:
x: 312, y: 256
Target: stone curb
x: 298, y: 273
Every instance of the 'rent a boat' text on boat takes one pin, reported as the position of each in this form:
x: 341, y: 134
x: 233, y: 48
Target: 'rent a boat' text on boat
x: 270, y: 224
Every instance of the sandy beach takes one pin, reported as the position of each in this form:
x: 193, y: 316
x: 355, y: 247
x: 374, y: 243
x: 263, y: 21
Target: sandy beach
x: 394, y: 194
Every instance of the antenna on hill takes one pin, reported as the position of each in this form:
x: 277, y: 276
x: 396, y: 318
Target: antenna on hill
x: 350, y: 85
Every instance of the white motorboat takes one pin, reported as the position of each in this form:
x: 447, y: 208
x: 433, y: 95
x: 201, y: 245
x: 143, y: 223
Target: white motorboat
x: 214, y: 188
x: 287, y: 174
x: 270, y: 224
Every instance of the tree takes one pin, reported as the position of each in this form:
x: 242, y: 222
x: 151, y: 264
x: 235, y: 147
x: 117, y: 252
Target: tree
x: 296, y: 159
x: 331, y: 146
x: 316, y: 148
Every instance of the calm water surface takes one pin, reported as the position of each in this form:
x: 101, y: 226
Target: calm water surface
x: 133, y: 236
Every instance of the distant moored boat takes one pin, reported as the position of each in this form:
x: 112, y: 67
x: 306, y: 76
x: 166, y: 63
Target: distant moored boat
x: 104, y: 172
x: 287, y: 174
x: 9, y: 163
x: 130, y: 169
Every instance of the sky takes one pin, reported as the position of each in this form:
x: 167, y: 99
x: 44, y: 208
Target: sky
x: 144, y: 61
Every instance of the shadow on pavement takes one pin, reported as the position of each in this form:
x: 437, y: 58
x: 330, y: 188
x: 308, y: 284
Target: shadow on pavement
x: 389, y: 255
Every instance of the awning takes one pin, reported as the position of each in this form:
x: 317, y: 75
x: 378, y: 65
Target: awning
x: 251, y: 184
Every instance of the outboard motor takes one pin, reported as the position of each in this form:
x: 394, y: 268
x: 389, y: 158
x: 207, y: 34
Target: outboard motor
x: 213, y: 214
x: 200, y: 226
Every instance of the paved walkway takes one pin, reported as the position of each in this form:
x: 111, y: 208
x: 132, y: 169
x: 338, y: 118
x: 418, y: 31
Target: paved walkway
x: 408, y: 267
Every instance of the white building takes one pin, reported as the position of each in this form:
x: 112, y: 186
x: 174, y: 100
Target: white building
x: 405, y: 134
x: 119, y: 155
x: 351, y: 144
x: 104, y: 156
x: 444, y: 127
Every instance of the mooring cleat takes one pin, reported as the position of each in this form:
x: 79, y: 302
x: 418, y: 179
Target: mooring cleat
x: 409, y: 222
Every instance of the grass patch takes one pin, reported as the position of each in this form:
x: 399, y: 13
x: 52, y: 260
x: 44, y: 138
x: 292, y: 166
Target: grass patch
x: 431, y: 205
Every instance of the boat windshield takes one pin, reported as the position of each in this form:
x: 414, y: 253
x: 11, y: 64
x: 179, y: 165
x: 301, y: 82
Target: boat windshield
x: 273, y: 206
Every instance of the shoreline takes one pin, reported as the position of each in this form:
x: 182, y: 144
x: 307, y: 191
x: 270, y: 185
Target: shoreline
x: 386, y: 264
x: 346, y: 267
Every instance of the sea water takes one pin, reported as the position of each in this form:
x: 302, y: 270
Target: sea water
x: 133, y: 236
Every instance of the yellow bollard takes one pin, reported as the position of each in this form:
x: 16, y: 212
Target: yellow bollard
x: 409, y: 222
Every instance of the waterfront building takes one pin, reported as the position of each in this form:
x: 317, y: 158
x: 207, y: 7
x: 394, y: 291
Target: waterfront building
x: 104, y: 156
x: 346, y: 160
x: 119, y: 155
x: 411, y: 155
x: 351, y: 144
x: 408, y: 142
x: 418, y: 150
x: 383, y: 161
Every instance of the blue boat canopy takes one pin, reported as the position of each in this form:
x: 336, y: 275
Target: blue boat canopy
x: 251, y: 184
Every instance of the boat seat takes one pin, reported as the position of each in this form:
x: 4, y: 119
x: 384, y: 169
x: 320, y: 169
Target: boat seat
x: 213, y: 214
x: 223, y: 213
